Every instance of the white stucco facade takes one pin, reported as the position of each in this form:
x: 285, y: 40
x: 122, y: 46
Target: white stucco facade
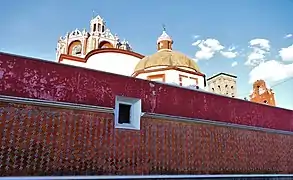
x: 173, y: 77
x: 113, y: 62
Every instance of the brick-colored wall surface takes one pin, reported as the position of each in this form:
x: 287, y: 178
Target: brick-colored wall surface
x: 39, y: 140
x: 25, y: 77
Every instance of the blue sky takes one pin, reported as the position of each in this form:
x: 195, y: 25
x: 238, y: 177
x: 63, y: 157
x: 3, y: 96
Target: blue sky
x: 32, y: 28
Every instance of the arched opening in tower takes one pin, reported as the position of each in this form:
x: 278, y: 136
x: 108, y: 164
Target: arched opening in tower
x: 75, y: 48
x: 105, y: 44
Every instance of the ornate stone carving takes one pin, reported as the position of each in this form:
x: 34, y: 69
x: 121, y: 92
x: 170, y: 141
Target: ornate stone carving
x: 76, y: 50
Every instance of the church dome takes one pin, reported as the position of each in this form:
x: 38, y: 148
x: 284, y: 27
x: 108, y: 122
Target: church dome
x: 166, y: 57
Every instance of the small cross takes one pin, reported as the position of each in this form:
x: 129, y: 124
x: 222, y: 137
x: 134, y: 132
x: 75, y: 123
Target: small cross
x: 164, y: 27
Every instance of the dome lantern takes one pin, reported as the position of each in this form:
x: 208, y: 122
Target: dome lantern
x: 164, y: 42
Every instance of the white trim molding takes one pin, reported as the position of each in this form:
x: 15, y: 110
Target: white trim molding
x: 134, y: 114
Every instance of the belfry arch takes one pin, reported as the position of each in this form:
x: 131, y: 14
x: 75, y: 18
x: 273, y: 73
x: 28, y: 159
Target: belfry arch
x: 105, y: 44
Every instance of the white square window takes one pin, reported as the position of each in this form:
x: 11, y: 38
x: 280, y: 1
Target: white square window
x: 127, y: 112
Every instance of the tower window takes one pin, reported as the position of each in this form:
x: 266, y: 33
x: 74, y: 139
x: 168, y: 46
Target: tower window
x: 226, y: 86
x: 99, y: 27
x: 265, y: 101
x: 232, y: 87
x: 124, y: 113
x: 103, y: 28
x: 95, y: 27
x: 213, y: 89
x: 127, y: 113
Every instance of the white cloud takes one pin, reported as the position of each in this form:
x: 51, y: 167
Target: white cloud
x: 287, y: 53
x: 214, y: 44
x: 229, y: 54
x: 204, y: 54
x: 196, y: 36
x: 260, y: 48
x: 256, y: 57
x: 235, y: 63
x: 208, y: 48
x: 261, y: 43
x: 271, y: 71
x: 288, y: 36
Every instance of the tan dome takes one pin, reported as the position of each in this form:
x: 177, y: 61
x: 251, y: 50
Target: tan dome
x: 166, y: 58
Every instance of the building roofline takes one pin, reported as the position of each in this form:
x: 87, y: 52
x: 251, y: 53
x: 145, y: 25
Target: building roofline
x: 98, y: 51
x: 113, y: 50
x: 216, y: 75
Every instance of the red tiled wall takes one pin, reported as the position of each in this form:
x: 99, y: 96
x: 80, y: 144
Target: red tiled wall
x: 29, y: 78
x: 49, y: 141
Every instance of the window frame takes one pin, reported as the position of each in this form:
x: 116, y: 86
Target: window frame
x: 157, y: 76
x: 181, y: 76
x: 135, y: 112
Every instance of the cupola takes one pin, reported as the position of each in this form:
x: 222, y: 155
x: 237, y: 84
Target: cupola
x: 164, y: 42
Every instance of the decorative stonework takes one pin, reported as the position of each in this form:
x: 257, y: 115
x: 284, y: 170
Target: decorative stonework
x: 98, y: 34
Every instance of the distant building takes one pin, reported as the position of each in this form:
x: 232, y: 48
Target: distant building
x: 261, y: 94
x: 224, y: 84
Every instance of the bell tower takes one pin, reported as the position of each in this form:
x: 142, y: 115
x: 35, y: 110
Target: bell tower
x: 98, y: 25
x: 80, y: 43
x: 261, y: 94
x: 164, y: 42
